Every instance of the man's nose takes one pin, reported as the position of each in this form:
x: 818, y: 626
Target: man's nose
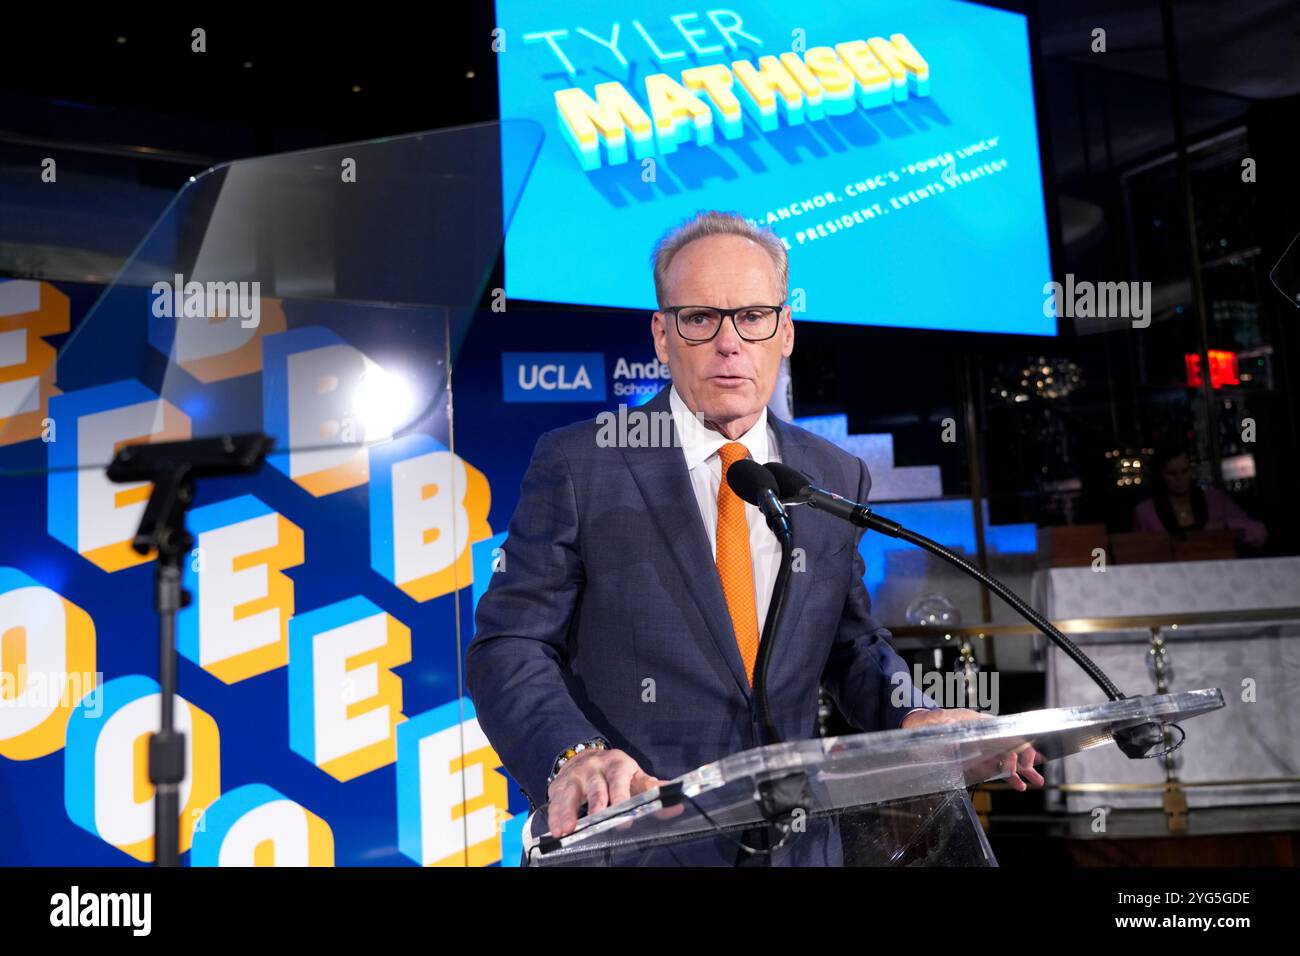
x: 728, y: 339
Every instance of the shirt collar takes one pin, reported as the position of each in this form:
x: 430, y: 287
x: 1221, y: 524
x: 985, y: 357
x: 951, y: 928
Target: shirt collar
x: 700, y: 443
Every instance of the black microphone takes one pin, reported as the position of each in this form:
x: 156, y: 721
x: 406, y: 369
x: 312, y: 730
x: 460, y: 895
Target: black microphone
x: 797, y: 488
x: 756, y: 485
x: 794, y: 486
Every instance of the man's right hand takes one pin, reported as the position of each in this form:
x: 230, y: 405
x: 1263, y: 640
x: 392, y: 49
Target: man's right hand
x: 597, y: 778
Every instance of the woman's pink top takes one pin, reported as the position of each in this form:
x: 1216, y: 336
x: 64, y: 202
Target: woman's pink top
x: 1221, y: 511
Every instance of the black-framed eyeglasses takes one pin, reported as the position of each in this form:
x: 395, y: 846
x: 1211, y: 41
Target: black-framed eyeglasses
x: 701, y: 323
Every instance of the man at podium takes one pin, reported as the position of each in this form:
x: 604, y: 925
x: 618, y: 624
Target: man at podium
x: 616, y: 646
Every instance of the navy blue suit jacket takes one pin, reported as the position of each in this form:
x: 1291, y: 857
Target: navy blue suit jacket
x: 608, y: 619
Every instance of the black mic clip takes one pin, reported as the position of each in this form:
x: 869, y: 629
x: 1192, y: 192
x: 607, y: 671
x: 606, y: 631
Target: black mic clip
x: 774, y: 511
x: 756, y: 485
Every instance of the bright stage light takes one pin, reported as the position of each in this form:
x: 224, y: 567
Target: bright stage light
x: 382, y: 403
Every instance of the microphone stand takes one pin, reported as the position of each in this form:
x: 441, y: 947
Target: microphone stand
x: 173, y: 468
x: 770, y: 624
x: 781, y: 795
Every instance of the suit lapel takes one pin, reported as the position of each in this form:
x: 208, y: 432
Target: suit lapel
x: 665, y: 485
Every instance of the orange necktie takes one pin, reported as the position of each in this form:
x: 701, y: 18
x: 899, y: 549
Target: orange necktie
x: 735, y: 566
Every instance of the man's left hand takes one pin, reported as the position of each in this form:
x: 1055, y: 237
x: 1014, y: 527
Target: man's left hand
x: 1019, y: 763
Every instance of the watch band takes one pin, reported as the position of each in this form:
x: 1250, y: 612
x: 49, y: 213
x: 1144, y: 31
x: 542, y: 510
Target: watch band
x: 595, y: 743
x: 913, y: 711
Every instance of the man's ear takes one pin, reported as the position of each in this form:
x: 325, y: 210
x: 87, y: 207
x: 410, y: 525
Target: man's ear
x: 787, y: 335
x: 659, y: 329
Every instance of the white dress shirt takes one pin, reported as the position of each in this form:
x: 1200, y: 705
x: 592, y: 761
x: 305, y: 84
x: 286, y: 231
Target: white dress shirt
x: 700, y: 446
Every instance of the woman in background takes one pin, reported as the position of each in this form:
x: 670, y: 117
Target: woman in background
x: 1181, y: 505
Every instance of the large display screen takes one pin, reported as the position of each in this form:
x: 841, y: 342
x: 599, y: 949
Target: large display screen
x: 891, y: 145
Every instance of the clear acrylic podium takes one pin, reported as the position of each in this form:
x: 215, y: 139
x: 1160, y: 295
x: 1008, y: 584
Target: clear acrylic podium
x: 891, y: 798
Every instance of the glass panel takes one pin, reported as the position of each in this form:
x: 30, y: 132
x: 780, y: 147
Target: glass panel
x: 824, y: 778
x: 314, y: 296
x: 939, y: 829
x: 1285, y: 276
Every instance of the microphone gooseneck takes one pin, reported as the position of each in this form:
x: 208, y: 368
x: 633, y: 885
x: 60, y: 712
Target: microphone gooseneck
x: 796, y: 487
x: 754, y: 484
x: 1136, y: 742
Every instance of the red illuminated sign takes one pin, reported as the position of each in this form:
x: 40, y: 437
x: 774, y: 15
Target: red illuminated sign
x: 1223, y: 369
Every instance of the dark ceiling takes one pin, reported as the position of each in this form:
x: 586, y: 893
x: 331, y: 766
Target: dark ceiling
x: 1242, y: 48
x: 270, y: 83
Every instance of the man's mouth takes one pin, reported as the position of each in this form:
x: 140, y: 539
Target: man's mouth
x: 729, y: 381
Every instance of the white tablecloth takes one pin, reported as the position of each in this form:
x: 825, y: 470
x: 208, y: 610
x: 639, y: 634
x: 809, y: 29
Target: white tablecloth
x: 1175, y: 587
x: 1248, y: 739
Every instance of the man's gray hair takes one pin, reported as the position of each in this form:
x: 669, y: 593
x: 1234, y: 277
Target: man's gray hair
x: 713, y: 223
